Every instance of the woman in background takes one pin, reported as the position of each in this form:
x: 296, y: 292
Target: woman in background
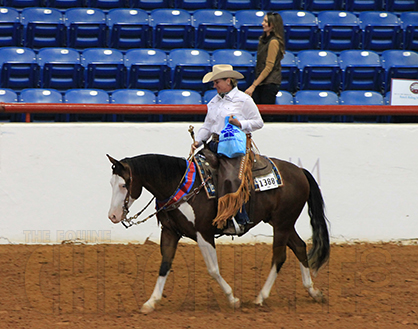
x: 270, y: 51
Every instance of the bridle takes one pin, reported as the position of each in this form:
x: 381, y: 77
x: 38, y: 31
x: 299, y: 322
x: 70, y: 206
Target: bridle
x: 168, y: 205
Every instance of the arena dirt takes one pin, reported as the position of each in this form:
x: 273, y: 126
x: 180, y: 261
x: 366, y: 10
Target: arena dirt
x: 104, y: 286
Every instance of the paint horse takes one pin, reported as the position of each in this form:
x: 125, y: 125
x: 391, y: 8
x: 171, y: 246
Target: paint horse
x: 192, y: 218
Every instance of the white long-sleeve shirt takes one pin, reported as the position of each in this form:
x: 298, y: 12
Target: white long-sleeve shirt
x: 235, y: 103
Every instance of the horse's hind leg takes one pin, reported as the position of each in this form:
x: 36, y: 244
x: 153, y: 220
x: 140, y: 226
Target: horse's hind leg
x: 298, y: 247
x: 279, y: 257
x: 168, y: 246
x: 209, y: 255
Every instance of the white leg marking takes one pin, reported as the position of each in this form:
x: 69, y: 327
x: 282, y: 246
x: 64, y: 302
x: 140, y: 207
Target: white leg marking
x: 188, y: 212
x: 265, y: 291
x: 211, y: 260
x: 156, y: 296
x: 308, y: 284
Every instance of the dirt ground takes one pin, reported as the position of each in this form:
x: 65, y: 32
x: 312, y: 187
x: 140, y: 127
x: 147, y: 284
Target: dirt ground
x: 104, y: 286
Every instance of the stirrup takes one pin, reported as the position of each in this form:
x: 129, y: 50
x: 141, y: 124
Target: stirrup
x: 239, y: 229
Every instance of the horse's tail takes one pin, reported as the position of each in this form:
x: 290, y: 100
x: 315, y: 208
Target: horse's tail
x: 318, y: 255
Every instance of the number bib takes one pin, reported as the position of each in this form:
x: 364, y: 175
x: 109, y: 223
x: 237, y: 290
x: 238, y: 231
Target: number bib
x: 266, y: 182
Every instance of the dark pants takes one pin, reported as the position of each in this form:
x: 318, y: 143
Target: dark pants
x: 266, y: 94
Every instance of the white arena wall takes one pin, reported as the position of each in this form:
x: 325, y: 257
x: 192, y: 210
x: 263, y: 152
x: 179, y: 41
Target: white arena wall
x: 54, y: 178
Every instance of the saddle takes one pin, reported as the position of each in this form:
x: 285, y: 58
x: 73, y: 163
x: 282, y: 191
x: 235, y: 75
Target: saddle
x: 207, y: 164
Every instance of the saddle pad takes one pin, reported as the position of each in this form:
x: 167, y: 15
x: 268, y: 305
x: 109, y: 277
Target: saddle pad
x: 184, y: 188
x: 269, y: 181
x: 203, y: 168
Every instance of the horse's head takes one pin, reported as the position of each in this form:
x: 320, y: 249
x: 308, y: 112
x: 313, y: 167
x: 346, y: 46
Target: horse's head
x: 123, y: 191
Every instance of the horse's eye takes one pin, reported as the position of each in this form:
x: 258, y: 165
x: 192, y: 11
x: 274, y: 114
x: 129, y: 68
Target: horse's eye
x: 124, y: 186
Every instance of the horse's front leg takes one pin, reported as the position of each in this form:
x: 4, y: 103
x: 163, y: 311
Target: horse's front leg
x: 168, y: 246
x: 209, y: 255
x: 279, y: 257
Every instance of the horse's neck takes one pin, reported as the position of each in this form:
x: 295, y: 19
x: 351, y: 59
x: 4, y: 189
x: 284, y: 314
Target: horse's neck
x: 160, y: 174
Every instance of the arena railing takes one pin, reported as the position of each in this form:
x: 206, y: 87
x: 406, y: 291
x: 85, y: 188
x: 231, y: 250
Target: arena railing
x: 314, y: 110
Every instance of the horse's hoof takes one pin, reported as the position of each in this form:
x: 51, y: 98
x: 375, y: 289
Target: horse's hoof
x: 258, y: 301
x: 146, y: 309
x: 236, y: 303
x: 317, y: 295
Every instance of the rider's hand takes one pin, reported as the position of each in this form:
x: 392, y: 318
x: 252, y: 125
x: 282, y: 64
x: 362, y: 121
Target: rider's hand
x: 195, y: 145
x: 234, y: 121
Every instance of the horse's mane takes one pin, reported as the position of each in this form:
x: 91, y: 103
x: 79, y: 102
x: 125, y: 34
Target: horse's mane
x: 157, y: 164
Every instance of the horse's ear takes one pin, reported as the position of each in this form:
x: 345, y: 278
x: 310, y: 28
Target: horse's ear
x: 114, y: 161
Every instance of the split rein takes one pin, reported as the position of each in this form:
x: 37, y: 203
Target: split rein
x: 128, y: 222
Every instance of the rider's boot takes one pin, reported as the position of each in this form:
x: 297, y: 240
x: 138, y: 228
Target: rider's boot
x: 236, y: 225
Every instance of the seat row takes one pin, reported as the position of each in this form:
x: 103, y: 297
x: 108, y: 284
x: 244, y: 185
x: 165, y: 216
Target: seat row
x: 274, y: 5
x: 207, y: 29
x: 110, y: 69
x: 170, y: 96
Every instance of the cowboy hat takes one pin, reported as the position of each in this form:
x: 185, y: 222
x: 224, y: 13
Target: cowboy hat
x: 221, y: 71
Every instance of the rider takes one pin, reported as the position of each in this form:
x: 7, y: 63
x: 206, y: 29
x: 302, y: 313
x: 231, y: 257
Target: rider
x: 243, y: 113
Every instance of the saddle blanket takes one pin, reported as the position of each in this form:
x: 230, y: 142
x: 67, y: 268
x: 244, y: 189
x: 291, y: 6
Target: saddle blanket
x: 263, y: 182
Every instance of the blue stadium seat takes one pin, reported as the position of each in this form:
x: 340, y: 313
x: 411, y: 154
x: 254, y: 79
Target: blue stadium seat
x: 149, y: 4
x: 22, y: 3
x: 237, y: 4
x: 60, y: 68
x: 86, y: 27
x: 147, y: 69
x: 43, y: 27
x: 248, y: 25
x: 409, y: 24
x: 194, y: 4
x: 361, y: 69
x: 38, y: 95
x: 399, y: 64
x: 88, y: 96
x: 401, y: 5
x: 178, y: 96
x: 105, y: 4
x: 242, y: 61
x: 290, y: 72
x: 381, y: 30
x: 321, y: 5
x: 276, y: 5
x: 128, y: 28
x: 301, y: 30
x: 340, y: 30
x: 10, y: 27
x: 319, y: 70
x: 363, y: 5
x: 103, y: 68
x: 133, y: 96
x: 284, y: 98
x: 19, y: 68
x: 171, y: 28
x: 361, y: 97
x: 208, y: 95
x: 214, y: 29
x: 188, y: 66
x: 9, y: 96
x: 317, y: 97
x: 64, y: 4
